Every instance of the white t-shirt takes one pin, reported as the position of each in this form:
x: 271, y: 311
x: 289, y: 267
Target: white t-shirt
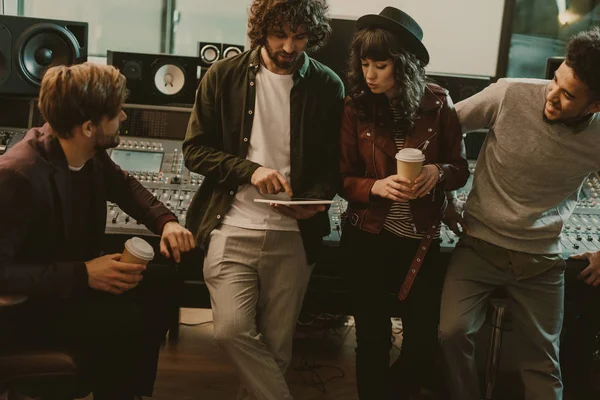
x: 269, y: 147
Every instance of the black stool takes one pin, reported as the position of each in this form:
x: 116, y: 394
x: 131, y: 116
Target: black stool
x: 497, y: 314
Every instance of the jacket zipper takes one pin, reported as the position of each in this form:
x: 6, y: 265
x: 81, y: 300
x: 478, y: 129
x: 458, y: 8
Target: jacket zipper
x: 425, y: 142
x: 374, y: 165
x: 412, y: 219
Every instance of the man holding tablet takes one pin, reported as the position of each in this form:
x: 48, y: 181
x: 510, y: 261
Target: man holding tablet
x: 264, y: 128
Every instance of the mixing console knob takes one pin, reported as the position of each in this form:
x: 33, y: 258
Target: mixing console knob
x: 589, y: 238
x: 176, y: 179
x: 127, y: 219
x: 575, y: 246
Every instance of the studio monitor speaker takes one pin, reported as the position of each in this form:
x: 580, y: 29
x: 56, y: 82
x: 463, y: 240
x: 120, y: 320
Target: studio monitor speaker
x: 552, y: 65
x: 157, y: 78
x: 460, y: 86
x: 336, y: 52
x: 211, y: 52
x: 30, y: 46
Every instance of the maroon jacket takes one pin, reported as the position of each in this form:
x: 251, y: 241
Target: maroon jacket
x: 35, y: 225
x: 368, y: 153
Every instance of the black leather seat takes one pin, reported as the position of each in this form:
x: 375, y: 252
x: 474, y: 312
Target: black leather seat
x: 46, y: 373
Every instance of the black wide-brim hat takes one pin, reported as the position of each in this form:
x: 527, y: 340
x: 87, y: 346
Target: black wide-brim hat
x: 402, y: 25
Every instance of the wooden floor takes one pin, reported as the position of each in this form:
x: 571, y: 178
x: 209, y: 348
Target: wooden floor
x: 194, y: 368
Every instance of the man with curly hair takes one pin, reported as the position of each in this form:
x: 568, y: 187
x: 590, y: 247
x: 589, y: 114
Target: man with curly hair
x: 265, y: 125
x: 543, y: 142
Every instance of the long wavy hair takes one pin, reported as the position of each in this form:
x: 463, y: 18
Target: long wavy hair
x: 311, y: 14
x: 381, y: 45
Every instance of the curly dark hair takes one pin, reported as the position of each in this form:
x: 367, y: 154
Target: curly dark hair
x: 380, y: 45
x: 583, y: 55
x: 311, y: 14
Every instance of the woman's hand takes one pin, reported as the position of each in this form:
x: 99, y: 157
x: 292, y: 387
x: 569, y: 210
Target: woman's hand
x: 394, y: 188
x: 430, y: 174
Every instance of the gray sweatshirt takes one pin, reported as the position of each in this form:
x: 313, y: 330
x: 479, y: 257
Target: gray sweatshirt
x: 529, y: 172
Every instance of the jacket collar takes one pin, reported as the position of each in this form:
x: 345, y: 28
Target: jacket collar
x: 62, y: 180
x: 52, y: 148
x: 430, y: 100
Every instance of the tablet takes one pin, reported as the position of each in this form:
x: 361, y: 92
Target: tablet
x: 294, y: 202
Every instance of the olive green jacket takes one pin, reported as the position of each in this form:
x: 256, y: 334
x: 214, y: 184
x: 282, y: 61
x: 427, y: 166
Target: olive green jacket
x: 218, y: 136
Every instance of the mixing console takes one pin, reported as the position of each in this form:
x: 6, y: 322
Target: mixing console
x: 158, y: 165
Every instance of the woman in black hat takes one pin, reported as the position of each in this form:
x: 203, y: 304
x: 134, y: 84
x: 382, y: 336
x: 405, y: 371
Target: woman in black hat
x: 390, y: 241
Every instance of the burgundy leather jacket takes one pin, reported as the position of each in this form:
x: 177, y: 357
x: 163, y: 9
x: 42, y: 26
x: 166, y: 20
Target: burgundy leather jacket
x: 368, y: 153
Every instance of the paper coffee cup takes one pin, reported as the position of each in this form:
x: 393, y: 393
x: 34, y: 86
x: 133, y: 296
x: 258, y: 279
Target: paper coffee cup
x: 137, y: 251
x: 410, y: 163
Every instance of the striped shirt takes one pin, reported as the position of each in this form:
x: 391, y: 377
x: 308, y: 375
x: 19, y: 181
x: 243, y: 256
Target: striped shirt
x: 399, y: 220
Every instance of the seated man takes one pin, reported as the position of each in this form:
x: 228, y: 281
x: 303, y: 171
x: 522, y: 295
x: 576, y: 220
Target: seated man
x: 54, y: 187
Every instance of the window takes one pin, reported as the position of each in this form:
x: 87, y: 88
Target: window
x: 133, y: 25
x: 219, y: 21
x: 542, y: 28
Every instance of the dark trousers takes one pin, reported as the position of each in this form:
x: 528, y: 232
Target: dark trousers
x: 115, y: 340
x: 580, y: 339
x: 377, y: 265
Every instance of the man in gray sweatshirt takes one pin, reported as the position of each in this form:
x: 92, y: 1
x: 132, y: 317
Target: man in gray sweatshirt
x: 544, y: 140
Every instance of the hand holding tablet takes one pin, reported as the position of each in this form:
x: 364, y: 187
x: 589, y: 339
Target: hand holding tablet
x: 295, y: 202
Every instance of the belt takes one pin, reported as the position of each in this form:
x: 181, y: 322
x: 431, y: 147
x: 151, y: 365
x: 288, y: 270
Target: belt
x: 417, y: 262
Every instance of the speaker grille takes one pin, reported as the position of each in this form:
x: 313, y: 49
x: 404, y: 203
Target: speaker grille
x: 43, y: 46
x: 30, y: 46
x: 552, y: 65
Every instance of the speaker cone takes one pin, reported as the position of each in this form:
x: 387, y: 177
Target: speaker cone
x: 231, y: 52
x: 43, y: 46
x: 132, y: 70
x: 169, y: 79
x: 210, y: 53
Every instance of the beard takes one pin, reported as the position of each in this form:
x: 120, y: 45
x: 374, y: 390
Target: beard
x: 104, y: 141
x: 283, y: 64
x: 571, y: 121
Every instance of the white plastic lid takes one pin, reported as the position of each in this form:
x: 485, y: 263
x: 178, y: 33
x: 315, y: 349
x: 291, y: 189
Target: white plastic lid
x: 410, y: 155
x: 140, y: 248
